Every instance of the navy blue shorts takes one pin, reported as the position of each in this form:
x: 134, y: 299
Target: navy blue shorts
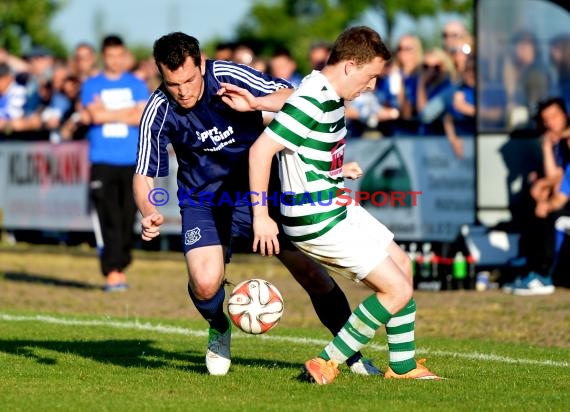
x: 204, y: 225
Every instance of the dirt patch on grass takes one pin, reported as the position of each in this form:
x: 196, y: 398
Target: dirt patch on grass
x: 67, y: 281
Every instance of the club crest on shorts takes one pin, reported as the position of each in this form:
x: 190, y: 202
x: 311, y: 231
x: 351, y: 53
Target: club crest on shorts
x: 192, y: 236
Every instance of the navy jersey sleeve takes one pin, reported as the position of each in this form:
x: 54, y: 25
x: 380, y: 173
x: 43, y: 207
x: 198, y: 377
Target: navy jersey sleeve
x: 152, y: 155
x: 258, y: 84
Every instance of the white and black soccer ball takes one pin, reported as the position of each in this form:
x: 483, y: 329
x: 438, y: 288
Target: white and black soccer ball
x: 255, y: 306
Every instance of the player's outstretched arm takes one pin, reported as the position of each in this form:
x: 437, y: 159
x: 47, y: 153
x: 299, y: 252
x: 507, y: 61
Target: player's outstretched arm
x: 264, y: 228
x: 242, y: 100
x: 152, y: 218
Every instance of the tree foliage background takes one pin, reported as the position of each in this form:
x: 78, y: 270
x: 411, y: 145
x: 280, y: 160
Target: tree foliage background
x: 25, y: 23
x: 295, y: 24
x: 270, y: 24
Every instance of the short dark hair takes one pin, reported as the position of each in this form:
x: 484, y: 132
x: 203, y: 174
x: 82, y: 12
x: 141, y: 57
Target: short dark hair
x: 552, y: 101
x: 361, y: 44
x: 174, y: 48
x: 111, y: 40
x: 545, y: 104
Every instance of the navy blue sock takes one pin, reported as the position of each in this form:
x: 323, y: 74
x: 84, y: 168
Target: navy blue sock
x: 212, y: 309
x: 333, y: 310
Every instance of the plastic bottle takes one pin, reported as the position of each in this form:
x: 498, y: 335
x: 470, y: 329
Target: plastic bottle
x: 459, y: 270
x: 426, y: 267
x: 413, y: 257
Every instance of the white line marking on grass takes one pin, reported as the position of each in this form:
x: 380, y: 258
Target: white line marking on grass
x: 474, y: 356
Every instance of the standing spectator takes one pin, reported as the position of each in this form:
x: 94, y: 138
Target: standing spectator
x: 114, y: 100
x: 243, y: 54
x: 319, y: 54
x: 454, y: 35
x: 409, y: 59
x: 283, y: 65
x: 435, y: 81
x: 84, y: 63
x: 459, y: 119
x: 41, y: 65
x: 224, y: 51
x: 12, y: 99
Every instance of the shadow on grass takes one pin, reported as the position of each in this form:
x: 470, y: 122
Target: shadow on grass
x: 125, y: 353
x: 47, y: 280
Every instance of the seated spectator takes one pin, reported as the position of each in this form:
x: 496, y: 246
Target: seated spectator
x: 12, y: 100
x: 549, y: 191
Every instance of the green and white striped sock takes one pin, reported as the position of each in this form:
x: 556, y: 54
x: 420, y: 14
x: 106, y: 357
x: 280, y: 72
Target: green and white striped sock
x: 401, y: 339
x: 358, y: 330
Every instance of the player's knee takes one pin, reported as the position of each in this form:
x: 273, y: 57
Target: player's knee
x: 204, y: 289
x: 407, y: 292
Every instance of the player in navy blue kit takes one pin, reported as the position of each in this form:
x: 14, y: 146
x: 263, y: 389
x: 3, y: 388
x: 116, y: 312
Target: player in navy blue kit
x: 211, y: 113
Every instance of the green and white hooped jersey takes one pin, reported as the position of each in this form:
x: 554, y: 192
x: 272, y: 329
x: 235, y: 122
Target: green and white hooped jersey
x: 311, y: 126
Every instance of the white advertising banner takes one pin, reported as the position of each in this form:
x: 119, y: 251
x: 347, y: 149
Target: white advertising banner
x: 417, y: 187
x: 44, y: 186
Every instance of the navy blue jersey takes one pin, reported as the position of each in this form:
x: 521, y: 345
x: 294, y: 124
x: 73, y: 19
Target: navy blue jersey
x: 211, y: 140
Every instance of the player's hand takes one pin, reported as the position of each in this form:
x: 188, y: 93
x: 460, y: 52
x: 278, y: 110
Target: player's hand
x: 265, y: 234
x: 351, y: 170
x: 150, y: 226
x: 237, y: 98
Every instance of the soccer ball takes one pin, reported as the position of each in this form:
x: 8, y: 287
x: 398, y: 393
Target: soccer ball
x: 255, y: 306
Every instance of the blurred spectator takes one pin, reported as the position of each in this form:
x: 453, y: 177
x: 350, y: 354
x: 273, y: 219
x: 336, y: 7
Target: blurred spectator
x: 550, y: 191
x: 113, y: 101
x: 435, y: 81
x: 454, y: 35
x: 319, y: 54
x: 224, y: 51
x: 17, y: 64
x: 372, y: 114
x: 560, y: 60
x: 84, y: 61
x: 459, y: 119
x: 525, y: 77
x: 12, y: 99
x: 283, y: 65
x: 260, y: 64
x: 40, y: 71
x: 243, y: 54
x: 147, y: 71
x: 72, y: 126
x: 409, y: 58
x: 462, y: 53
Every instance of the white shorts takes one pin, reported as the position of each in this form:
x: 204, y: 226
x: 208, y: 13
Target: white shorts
x: 353, y: 247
